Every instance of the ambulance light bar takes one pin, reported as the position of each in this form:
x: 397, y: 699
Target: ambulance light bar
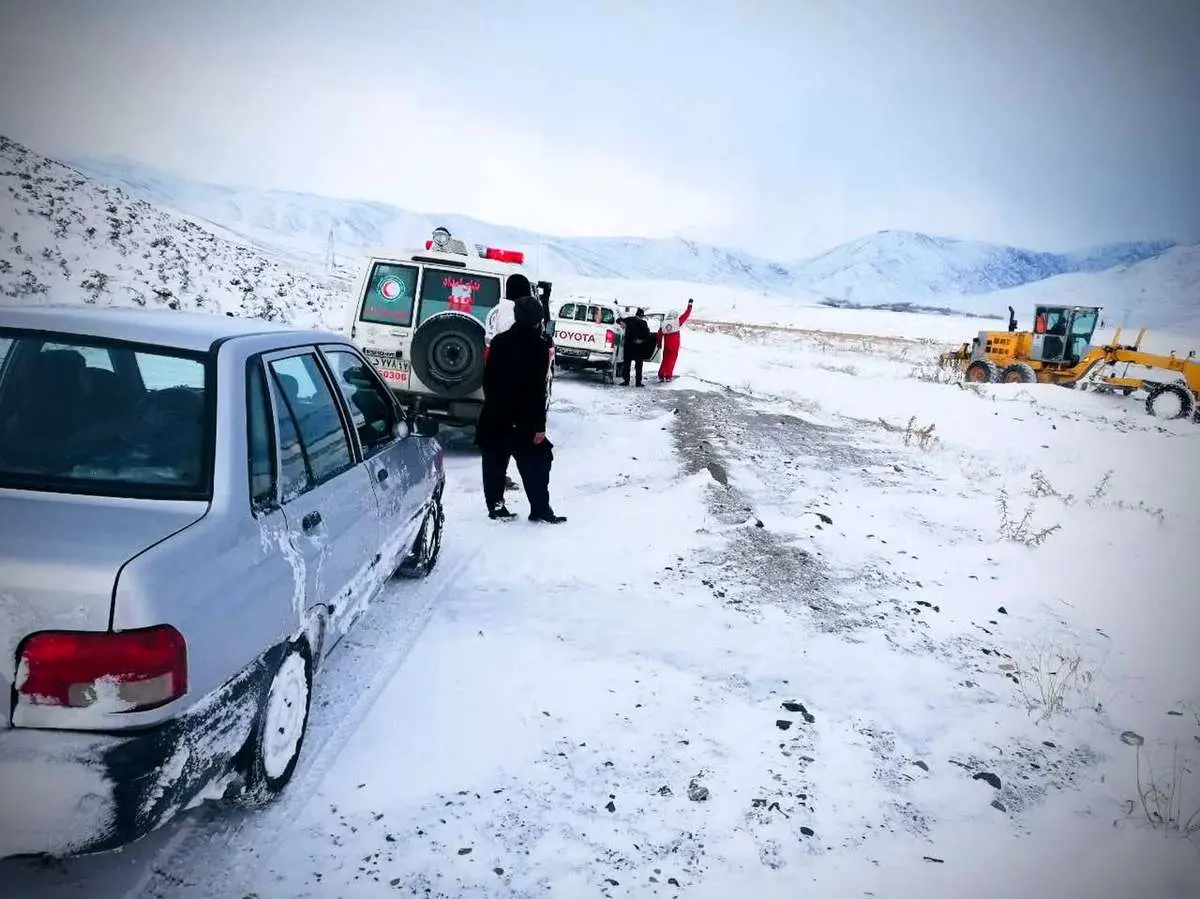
x: 498, y: 255
x: 493, y: 253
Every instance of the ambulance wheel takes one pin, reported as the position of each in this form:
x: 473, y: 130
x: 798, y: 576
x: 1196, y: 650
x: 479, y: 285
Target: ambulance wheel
x: 447, y: 355
x: 1171, y: 401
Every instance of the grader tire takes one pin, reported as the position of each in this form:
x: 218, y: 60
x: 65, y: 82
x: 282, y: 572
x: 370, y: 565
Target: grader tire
x: 1018, y: 373
x: 1166, y: 399
x: 982, y: 371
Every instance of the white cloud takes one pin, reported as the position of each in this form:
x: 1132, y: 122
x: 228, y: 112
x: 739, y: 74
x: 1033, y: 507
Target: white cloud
x: 779, y: 125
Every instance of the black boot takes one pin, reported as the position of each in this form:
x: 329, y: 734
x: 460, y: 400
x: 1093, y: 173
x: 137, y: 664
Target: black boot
x: 500, y: 512
x: 547, y: 517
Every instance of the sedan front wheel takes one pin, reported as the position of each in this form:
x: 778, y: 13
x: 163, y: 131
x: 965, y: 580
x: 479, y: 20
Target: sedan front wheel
x: 423, y: 556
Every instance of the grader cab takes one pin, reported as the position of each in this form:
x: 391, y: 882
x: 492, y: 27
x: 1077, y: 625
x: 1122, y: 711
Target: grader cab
x: 1058, y: 350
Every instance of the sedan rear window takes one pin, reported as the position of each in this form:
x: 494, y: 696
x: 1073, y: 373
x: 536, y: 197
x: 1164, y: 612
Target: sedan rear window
x: 79, y: 415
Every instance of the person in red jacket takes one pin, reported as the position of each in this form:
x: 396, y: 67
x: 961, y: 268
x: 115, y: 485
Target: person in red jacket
x: 669, y: 341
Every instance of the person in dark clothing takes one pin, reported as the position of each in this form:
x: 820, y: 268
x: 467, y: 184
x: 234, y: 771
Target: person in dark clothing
x: 639, y: 346
x: 512, y: 422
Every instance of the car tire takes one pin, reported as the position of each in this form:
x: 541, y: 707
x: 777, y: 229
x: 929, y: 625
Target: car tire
x: 447, y: 355
x: 422, y: 558
x: 273, y: 750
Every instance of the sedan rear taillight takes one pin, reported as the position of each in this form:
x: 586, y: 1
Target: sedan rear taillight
x: 128, y: 671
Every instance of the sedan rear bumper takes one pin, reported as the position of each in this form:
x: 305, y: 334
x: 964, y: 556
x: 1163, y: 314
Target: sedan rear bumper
x: 60, y: 797
x: 67, y: 793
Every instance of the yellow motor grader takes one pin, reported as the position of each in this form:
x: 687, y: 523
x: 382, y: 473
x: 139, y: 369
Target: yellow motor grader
x: 1059, y: 351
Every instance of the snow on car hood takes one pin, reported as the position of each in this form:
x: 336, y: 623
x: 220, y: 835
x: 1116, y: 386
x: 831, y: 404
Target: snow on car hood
x: 59, y: 558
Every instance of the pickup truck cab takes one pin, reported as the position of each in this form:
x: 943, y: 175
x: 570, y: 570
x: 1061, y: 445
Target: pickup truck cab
x: 587, y: 336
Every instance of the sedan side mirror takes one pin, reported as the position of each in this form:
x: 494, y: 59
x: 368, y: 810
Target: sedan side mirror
x: 401, y: 430
x: 424, y: 426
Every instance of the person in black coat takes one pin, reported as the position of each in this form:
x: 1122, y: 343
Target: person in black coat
x: 639, y: 346
x: 512, y: 422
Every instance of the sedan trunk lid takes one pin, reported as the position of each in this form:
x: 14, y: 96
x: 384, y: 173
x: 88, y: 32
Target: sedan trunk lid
x: 59, y: 559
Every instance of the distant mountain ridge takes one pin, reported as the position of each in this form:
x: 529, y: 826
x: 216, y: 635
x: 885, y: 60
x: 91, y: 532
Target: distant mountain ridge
x: 910, y: 268
x: 889, y: 269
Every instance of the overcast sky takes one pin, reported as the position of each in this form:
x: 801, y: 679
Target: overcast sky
x: 782, y: 126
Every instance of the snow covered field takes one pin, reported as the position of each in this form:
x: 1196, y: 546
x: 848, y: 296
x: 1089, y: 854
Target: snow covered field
x: 788, y: 641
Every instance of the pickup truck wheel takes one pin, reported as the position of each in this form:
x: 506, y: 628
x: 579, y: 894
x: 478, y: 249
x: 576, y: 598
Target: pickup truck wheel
x: 274, y: 747
x: 423, y: 556
x: 447, y: 355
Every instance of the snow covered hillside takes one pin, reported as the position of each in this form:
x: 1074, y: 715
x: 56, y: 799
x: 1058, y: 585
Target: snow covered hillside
x: 303, y: 222
x: 67, y: 237
x: 1161, y: 292
x: 906, y: 267
x: 890, y: 269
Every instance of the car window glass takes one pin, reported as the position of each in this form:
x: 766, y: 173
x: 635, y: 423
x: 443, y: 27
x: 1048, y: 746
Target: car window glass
x: 315, y: 423
x: 258, y: 432
x: 93, y: 356
x: 580, y: 313
x: 371, y: 407
x: 451, y: 290
x: 70, y: 426
x: 391, y: 292
x: 161, y: 372
x: 567, y: 311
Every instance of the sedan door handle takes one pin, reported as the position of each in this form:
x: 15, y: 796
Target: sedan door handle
x: 311, y: 520
x: 381, y: 474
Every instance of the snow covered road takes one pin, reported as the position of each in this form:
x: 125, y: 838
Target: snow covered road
x: 772, y: 649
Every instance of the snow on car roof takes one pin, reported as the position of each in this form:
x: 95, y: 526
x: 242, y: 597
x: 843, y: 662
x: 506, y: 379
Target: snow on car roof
x: 195, y: 331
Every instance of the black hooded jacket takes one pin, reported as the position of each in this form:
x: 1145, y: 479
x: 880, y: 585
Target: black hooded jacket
x: 639, y: 342
x: 514, y: 384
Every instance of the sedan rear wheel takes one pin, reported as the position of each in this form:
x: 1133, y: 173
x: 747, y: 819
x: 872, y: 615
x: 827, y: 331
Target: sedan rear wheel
x: 274, y: 748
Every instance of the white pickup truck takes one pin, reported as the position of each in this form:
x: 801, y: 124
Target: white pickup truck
x: 588, y: 338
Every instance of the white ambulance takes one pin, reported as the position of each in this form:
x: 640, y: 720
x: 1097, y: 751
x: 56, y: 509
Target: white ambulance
x: 425, y: 319
x: 588, y: 338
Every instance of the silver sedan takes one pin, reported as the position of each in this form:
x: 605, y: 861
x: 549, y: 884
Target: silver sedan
x: 193, y: 511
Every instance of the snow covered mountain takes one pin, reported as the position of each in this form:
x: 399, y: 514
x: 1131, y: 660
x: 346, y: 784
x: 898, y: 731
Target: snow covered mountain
x: 891, y: 269
x: 272, y: 246
x: 67, y: 237
x: 1162, y: 292
x: 302, y: 223
x: 909, y: 269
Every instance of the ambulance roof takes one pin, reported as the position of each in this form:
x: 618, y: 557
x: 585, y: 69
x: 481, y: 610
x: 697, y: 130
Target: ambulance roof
x: 456, y: 253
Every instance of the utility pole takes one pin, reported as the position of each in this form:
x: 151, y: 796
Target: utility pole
x: 330, y: 259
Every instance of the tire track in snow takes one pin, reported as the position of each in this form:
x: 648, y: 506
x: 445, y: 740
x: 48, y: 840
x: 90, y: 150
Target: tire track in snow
x: 378, y: 643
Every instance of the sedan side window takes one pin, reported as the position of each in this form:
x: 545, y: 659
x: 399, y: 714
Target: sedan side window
x: 313, y: 445
x: 260, y: 449
x: 371, y: 407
